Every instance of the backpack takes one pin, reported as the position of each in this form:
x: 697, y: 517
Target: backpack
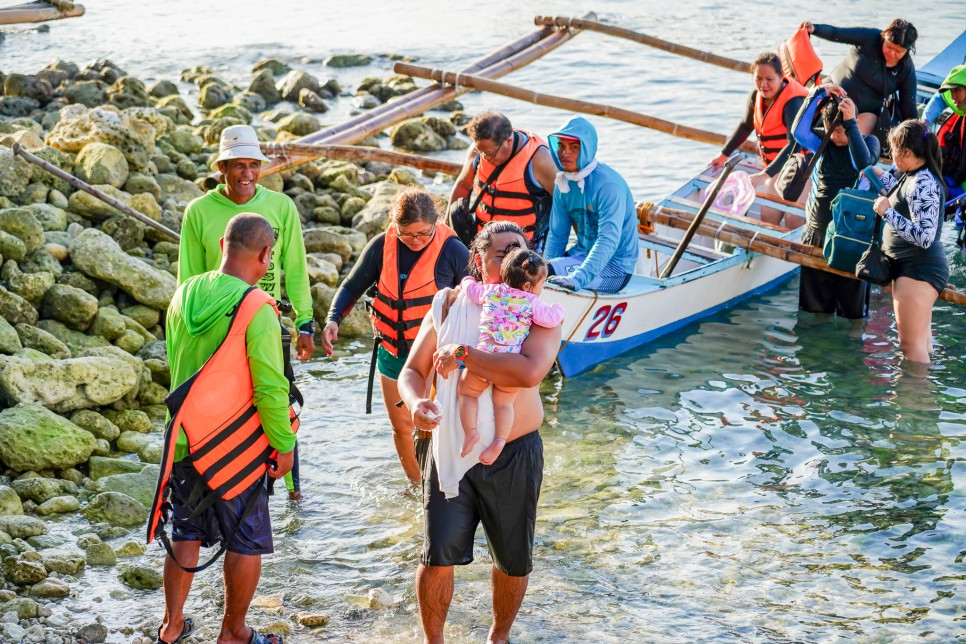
x: 850, y: 233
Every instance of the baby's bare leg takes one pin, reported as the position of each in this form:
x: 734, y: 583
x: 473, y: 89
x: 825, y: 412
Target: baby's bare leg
x: 469, y: 389
x: 503, y: 416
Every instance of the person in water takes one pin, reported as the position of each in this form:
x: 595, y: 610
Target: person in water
x: 417, y: 256
x: 912, y: 237
x: 593, y: 199
x: 509, y: 308
x: 198, y: 321
x: 951, y: 132
x: 847, y: 153
x: 503, y: 497
x: 770, y: 113
x: 240, y: 163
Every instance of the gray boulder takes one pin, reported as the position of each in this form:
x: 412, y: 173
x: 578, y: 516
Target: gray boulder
x: 67, y: 385
x: 58, y: 505
x: 86, y: 92
x: 294, y: 82
x: 417, y: 135
x: 36, y: 338
x: 99, y: 256
x: 21, y: 223
x: 9, y: 338
x: 10, y: 502
x: 39, y: 489
x: 102, y: 466
x: 70, y: 305
x: 141, y: 577
x: 100, y: 554
x: 75, y: 340
x: 24, y: 570
x: 139, y: 485
x: 15, y: 173
x: 22, y: 527
x: 32, y: 438
x: 322, y: 240
x: 263, y: 84
x: 348, y: 60
x: 299, y: 124
x: 108, y: 324
x: 100, y: 163
x: 49, y: 217
x: 63, y: 563
x: 374, y: 218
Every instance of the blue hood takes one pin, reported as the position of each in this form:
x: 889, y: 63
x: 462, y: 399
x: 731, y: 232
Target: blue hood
x: 580, y: 128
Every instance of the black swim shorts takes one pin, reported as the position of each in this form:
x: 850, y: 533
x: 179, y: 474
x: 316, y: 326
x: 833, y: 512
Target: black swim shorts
x: 252, y: 537
x: 502, y: 496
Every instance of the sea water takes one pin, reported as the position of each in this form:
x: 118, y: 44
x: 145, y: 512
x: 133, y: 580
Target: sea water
x: 759, y: 476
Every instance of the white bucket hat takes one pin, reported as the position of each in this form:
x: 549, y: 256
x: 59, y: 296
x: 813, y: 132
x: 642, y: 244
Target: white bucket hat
x: 238, y: 142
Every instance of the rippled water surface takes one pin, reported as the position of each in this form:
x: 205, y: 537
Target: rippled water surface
x: 755, y: 477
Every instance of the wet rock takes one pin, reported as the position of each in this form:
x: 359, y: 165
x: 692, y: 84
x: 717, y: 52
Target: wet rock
x: 23, y: 570
x: 18, y: 106
x: 50, y: 587
x: 39, y: 489
x: 348, y: 60
x: 77, y: 342
x: 100, y: 257
x: 213, y: 95
x: 90, y: 93
x: 374, y: 218
x: 131, y: 549
x: 312, y: 619
x: 163, y: 88
x: 185, y: 141
x: 133, y: 442
x: 100, y: 163
x: 33, y: 438
x: 294, y: 82
x: 263, y: 84
x: 9, y: 338
x: 101, y: 466
x: 58, y: 505
x: 312, y: 101
x: 100, y: 554
x: 115, y: 508
x: 33, y: 87
x: 299, y: 124
x: 327, y: 215
x: 12, y: 632
x: 67, y: 385
x: 275, y: 66
x: 129, y: 420
x: 350, y: 207
x: 403, y: 177
x: 93, y: 633
x: 9, y: 501
x: 365, y: 101
x: 138, y: 485
x: 141, y: 577
x: 70, y: 305
x: 417, y: 135
x: 321, y: 240
x: 129, y: 92
x: 63, y: 563
x: 39, y: 340
x: 177, y: 105
x: 355, y: 324
x: 321, y: 270
x: 252, y: 102
x: 15, y: 173
x: 24, y: 607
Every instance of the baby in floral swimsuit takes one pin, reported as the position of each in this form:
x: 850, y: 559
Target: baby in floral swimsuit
x: 509, y: 308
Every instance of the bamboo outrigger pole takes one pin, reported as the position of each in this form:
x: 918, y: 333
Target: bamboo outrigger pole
x: 644, y: 39
x: 91, y: 190
x: 361, y: 153
x: 499, y: 63
x: 40, y: 11
x: 571, y: 104
x: 768, y: 245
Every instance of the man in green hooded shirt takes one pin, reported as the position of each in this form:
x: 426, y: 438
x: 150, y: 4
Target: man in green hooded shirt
x: 198, y: 320
x: 952, y: 131
x: 240, y: 161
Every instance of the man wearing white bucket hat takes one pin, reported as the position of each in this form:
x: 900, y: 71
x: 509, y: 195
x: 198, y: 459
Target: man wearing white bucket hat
x: 240, y: 162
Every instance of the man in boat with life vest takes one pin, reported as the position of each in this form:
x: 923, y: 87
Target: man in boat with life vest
x: 508, y: 175
x: 595, y: 201
x: 770, y: 113
x: 198, y: 322
x: 240, y: 161
x: 951, y: 131
x: 417, y: 256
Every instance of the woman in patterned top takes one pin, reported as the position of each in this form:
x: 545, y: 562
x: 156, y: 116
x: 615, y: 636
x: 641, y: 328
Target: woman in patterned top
x: 911, y: 240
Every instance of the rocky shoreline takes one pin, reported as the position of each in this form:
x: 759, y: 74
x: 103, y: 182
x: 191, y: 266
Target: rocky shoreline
x: 83, y: 288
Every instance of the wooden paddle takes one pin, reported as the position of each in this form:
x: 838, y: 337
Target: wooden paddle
x: 644, y: 39
x: 91, y: 190
x: 570, y: 104
x: 783, y: 249
x: 361, y: 153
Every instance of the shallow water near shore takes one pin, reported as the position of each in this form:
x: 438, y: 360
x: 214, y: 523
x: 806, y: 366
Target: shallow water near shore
x: 758, y: 476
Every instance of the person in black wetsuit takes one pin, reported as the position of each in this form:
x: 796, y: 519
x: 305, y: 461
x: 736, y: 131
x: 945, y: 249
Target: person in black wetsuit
x: 847, y: 153
x: 912, y: 238
x: 877, y: 66
x: 416, y: 256
x: 770, y: 112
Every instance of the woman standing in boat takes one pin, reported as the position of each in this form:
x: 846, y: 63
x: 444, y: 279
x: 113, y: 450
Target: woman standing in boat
x: 417, y: 256
x: 877, y: 66
x: 847, y: 153
x: 911, y: 240
x: 770, y: 112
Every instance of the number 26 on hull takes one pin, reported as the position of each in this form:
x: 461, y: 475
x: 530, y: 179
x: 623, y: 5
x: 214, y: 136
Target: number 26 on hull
x: 605, y: 321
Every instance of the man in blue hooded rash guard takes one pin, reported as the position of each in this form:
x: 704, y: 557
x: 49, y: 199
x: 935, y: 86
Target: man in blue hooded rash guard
x: 593, y: 199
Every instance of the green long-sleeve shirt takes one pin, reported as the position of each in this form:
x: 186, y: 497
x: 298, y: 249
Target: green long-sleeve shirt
x: 204, y: 224
x: 198, y: 320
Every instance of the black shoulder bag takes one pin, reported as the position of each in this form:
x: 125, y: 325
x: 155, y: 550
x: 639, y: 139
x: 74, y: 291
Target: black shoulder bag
x: 462, y: 219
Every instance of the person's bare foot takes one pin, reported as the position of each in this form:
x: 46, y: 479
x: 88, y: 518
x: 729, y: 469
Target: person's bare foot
x: 469, y: 441
x: 295, y: 495
x: 492, y: 452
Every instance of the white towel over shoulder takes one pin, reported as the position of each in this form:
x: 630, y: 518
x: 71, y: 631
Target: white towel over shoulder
x: 462, y: 326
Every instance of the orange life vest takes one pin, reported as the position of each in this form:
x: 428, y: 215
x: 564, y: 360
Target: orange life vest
x: 772, y: 133
x: 399, y: 306
x: 952, y: 147
x: 508, y: 198
x: 216, y: 410
x: 799, y: 60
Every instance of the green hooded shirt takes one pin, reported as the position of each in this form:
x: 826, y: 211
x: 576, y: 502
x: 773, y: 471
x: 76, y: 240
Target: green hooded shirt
x: 956, y: 76
x: 203, y: 226
x: 198, y: 320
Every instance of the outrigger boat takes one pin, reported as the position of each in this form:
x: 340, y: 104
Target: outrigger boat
x: 40, y: 11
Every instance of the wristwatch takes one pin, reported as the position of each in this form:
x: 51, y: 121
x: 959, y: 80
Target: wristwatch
x: 307, y: 328
x: 460, y: 354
